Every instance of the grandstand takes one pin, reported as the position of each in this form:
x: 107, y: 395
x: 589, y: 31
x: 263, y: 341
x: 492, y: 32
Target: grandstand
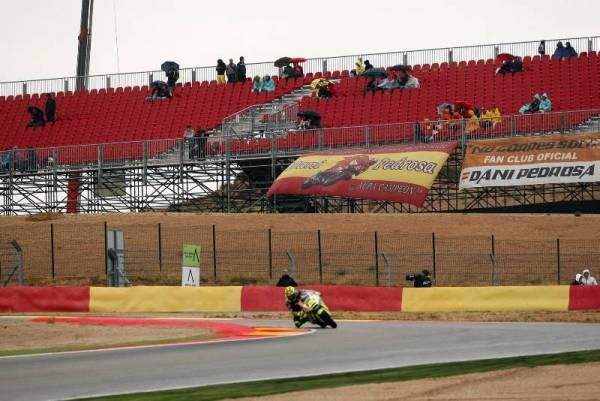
x: 111, y: 151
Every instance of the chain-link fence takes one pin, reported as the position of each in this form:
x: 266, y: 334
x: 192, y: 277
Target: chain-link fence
x: 56, y: 254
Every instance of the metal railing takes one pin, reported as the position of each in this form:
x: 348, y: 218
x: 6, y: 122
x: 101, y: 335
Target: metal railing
x: 251, y: 144
x: 312, y: 65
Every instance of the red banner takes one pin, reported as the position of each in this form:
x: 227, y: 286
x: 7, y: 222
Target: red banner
x: 402, y: 173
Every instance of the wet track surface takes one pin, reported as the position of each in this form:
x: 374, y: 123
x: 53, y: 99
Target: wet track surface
x: 353, y: 346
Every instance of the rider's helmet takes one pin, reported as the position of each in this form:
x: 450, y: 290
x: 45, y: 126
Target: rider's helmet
x: 290, y: 293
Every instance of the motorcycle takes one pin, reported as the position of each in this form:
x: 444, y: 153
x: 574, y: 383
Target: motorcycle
x: 318, y: 313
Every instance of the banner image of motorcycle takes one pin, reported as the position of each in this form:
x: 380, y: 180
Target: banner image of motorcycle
x: 531, y: 161
x: 389, y: 173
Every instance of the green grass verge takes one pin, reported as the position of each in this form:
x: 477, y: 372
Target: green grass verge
x: 267, y: 387
x: 101, y: 346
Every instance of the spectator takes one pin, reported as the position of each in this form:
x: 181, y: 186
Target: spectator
x: 360, y: 68
x: 372, y: 83
x: 37, y: 117
x: 298, y: 71
x: 496, y: 115
x: 472, y: 122
x: 577, y: 280
x: 491, y: 117
x: 368, y: 65
x: 7, y: 160
x: 560, y: 51
x: 231, y: 71
x: 545, y: 104
x: 172, y: 78
x: 570, y: 51
x: 512, y: 66
x: 587, y: 278
x: 241, y: 70
x: 188, y: 136
x: 257, y: 84
x: 50, y: 108
x: 160, y: 90
x: 201, y: 140
x: 407, y: 81
x: 542, y: 48
x: 288, y: 71
x: 325, y: 90
x: 533, y: 106
x: 221, y: 68
x: 390, y: 82
x: 268, y: 84
x: 426, y: 131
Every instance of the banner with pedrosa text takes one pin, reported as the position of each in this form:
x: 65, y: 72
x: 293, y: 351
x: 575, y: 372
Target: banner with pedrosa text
x: 401, y: 173
x: 559, y: 159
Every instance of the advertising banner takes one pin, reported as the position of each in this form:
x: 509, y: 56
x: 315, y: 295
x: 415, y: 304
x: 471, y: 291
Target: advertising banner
x: 401, y: 173
x: 536, y: 160
x: 190, y: 273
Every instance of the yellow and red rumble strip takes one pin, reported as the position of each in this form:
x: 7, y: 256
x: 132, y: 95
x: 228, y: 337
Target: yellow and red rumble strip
x: 264, y: 299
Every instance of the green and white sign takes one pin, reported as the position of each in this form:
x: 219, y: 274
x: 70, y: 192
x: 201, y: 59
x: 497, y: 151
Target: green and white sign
x: 191, y: 255
x: 190, y: 273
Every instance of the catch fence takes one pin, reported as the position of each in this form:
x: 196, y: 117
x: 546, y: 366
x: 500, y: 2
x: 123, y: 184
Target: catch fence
x: 60, y: 253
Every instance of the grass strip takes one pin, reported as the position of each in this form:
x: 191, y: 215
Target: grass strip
x: 67, y: 348
x: 268, y: 387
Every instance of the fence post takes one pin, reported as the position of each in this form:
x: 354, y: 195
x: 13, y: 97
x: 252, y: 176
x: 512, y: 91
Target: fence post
x: 193, y: 76
x: 320, y: 257
x: 214, y: 246
x: 66, y: 85
x: 324, y: 66
x: 270, y: 256
x: 450, y: 56
x: 105, y: 247
x: 160, y: 259
x: 24, y: 88
x: 52, y: 248
x: 590, y: 45
x: 562, y: 123
x: 376, y: 260
x: 558, y: 261
x: 493, y: 257
x: 108, y: 82
x: 433, y: 254
x: 368, y: 137
x: 405, y: 59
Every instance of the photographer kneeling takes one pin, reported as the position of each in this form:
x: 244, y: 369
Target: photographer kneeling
x: 420, y: 280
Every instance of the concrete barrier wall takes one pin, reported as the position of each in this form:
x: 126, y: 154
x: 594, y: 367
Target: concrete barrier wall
x: 266, y: 299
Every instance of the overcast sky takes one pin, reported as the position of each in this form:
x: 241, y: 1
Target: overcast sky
x: 38, y: 38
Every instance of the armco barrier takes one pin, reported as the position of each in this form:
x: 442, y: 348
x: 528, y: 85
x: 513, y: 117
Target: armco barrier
x: 265, y: 299
x: 582, y: 297
x: 338, y: 298
x: 484, y: 299
x: 44, y: 299
x: 165, y: 299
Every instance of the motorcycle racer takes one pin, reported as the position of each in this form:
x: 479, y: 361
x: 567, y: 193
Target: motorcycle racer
x: 305, y: 304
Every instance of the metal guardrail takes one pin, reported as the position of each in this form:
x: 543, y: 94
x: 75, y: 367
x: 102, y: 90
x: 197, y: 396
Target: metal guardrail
x: 312, y: 65
x: 275, y: 143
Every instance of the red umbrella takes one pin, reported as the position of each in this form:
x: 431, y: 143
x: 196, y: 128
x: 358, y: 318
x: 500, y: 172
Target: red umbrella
x: 502, y: 57
x: 295, y: 60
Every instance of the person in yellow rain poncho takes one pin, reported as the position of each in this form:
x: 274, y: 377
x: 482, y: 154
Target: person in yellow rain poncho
x: 360, y: 68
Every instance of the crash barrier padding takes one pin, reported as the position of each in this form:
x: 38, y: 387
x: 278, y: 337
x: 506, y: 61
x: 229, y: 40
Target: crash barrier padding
x: 44, y: 299
x: 337, y: 298
x: 257, y: 299
x: 486, y: 299
x: 165, y: 299
x: 584, y: 297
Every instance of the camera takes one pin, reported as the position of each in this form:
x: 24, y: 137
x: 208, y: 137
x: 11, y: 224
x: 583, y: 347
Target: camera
x: 420, y: 280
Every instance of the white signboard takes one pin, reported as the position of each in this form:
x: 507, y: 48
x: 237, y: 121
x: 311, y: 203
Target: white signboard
x: 190, y: 276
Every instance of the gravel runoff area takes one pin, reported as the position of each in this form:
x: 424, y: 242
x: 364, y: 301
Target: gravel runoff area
x: 547, y: 383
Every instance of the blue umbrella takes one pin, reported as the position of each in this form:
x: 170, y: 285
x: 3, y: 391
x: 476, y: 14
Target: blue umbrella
x: 169, y: 66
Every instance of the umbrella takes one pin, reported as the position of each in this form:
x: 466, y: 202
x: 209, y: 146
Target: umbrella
x: 318, y: 82
x: 401, y: 67
x: 309, y: 114
x: 295, y: 60
x: 169, y: 65
x: 282, y: 62
x: 375, y: 72
x: 442, y: 107
x: 159, y: 84
x: 502, y: 57
x: 463, y: 104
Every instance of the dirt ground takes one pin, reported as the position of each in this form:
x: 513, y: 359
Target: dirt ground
x: 547, y: 383
x: 17, y: 334
x: 525, y: 247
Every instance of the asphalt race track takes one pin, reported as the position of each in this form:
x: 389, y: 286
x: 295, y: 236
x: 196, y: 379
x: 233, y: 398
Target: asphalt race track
x: 353, y: 346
